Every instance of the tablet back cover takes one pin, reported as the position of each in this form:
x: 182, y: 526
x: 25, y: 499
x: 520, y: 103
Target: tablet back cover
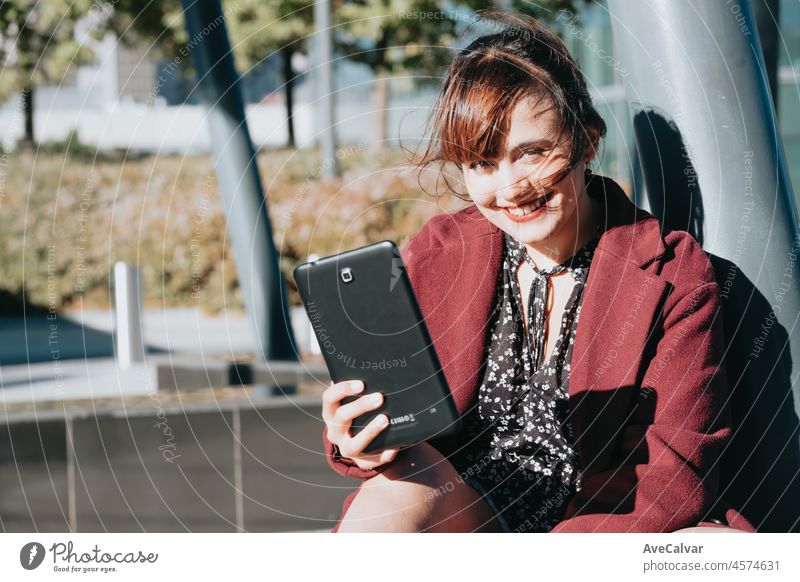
x: 369, y: 326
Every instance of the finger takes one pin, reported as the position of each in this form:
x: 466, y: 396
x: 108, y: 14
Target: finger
x: 359, y: 442
x: 347, y: 412
x: 388, y: 456
x: 333, y: 395
x: 367, y: 462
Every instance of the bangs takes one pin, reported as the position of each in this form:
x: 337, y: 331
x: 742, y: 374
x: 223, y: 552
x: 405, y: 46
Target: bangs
x: 470, y: 119
x: 474, y: 112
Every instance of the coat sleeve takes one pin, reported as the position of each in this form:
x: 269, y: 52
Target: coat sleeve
x: 666, y: 474
x: 343, y: 465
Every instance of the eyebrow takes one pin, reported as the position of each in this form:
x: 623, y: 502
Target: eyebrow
x: 543, y: 143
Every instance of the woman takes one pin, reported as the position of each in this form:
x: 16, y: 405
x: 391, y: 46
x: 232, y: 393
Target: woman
x: 613, y: 425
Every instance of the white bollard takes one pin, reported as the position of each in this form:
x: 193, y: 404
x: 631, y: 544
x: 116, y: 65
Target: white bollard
x: 127, y: 315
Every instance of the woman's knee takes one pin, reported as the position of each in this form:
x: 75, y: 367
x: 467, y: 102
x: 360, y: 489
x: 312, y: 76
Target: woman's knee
x: 418, y: 473
x: 400, y: 497
x: 421, y: 463
x: 709, y: 529
x: 421, y: 491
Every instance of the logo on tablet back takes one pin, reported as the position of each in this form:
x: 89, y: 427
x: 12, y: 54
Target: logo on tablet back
x: 404, y: 419
x: 397, y: 269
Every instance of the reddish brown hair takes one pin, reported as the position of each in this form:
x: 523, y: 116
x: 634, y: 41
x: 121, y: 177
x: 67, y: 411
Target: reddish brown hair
x: 470, y: 117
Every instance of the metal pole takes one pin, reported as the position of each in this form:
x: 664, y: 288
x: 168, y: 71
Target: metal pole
x: 127, y: 315
x: 72, y: 504
x: 766, y: 14
x: 713, y: 165
x: 240, y: 185
x: 325, y: 94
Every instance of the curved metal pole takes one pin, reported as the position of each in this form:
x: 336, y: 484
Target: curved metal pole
x: 239, y: 182
x: 713, y: 164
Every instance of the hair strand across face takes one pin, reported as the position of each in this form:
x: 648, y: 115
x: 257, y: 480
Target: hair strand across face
x: 470, y: 117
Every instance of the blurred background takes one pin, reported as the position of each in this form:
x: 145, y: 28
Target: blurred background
x: 142, y: 389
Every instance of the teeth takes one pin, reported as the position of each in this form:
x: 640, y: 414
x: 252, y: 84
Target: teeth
x: 527, y: 209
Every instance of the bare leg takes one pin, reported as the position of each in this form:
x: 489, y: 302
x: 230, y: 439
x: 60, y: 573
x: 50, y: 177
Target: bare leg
x: 708, y: 529
x: 420, y: 491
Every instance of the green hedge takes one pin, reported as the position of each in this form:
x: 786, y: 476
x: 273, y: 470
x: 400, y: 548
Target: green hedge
x: 68, y: 215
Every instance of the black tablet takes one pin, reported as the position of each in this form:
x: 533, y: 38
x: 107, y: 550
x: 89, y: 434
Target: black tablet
x: 369, y: 326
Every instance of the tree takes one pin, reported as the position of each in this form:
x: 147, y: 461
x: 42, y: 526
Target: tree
x: 38, y: 44
x: 150, y: 21
x: 394, y: 37
x: 255, y: 29
x: 282, y: 26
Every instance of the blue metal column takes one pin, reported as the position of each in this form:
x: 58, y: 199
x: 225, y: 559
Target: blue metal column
x: 713, y: 164
x: 240, y: 186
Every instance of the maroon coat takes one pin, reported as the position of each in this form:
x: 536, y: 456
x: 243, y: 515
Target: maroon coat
x: 648, y: 390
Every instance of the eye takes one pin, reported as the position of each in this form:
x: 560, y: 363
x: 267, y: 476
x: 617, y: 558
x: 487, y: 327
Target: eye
x: 480, y: 165
x: 534, y: 152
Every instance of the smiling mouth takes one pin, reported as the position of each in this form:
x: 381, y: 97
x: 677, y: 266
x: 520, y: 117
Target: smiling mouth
x: 531, y: 207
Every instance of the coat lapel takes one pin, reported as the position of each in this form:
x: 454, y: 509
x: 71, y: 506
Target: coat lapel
x: 455, y: 288
x: 456, y: 284
x: 624, y: 297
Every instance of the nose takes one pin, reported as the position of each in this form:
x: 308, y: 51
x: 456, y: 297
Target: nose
x: 512, y: 183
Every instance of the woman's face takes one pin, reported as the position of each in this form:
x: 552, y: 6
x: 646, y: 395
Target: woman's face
x: 504, y: 188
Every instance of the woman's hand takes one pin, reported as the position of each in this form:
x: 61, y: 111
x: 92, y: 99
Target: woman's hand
x: 339, y: 418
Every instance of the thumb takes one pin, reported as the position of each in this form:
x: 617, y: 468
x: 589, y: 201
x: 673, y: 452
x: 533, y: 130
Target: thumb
x: 388, y: 455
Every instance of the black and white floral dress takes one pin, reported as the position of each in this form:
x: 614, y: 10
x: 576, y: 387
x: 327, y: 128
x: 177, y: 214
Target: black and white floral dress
x: 518, y: 448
